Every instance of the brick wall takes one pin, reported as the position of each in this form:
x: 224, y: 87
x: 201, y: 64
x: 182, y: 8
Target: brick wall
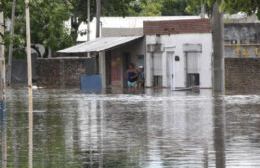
x: 242, y: 74
x: 63, y: 72
x: 177, y: 27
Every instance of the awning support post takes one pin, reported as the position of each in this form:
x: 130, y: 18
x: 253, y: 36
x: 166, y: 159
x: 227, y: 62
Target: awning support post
x: 102, y: 67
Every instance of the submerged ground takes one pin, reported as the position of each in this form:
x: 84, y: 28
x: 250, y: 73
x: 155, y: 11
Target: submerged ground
x: 158, y: 129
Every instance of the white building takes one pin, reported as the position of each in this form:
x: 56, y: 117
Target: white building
x: 175, y: 51
x: 116, y: 25
x: 178, y: 53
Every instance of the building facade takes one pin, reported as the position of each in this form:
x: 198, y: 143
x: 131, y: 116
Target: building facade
x: 178, y: 53
x: 242, y: 56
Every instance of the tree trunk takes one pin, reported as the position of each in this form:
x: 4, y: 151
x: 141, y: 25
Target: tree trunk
x: 218, y: 46
x: 10, y: 54
x: 2, y: 57
x: 98, y: 14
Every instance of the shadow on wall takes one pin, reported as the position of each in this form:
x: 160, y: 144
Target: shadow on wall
x: 19, y: 70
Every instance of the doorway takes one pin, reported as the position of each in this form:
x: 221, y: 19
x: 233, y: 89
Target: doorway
x: 192, y: 68
x: 126, y: 61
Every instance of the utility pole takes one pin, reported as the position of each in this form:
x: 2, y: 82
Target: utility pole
x: 98, y: 14
x: 218, y: 45
x: 30, y: 127
x: 10, y: 54
x: 28, y: 43
x: 88, y: 20
x: 30, y: 93
x: 202, y: 10
x: 2, y: 57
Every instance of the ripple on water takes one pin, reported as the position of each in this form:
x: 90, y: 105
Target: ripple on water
x: 166, y: 129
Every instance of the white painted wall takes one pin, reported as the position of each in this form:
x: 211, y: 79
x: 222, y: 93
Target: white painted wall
x: 205, y: 61
x: 122, y: 22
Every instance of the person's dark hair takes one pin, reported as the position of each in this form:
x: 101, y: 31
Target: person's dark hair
x: 131, y: 65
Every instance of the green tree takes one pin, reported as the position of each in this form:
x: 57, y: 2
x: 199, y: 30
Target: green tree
x: 175, y: 8
x: 249, y: 7
x: 47, y: 24
x: 227, y: 6
x: 159, y: 7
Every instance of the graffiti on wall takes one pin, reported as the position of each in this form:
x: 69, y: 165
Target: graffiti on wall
x: 242, y: 40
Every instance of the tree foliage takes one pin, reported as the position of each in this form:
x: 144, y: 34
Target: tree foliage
x: 227, y: 6
x: 175, y: 8
x: 47, y: 23
x: 247, y: 6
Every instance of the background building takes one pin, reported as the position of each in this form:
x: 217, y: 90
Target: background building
x: 178, y: 53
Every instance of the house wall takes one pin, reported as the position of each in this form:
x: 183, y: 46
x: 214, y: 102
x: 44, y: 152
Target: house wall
x: 122, y: 23
x: 117, y: 32
x: 177, y: 42
x: 242, y: 74
x: 134, y: 49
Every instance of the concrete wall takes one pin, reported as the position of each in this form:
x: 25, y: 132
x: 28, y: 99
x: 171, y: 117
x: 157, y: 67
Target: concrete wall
x: 242, y: 74
x: 117, y: 32
x: 177, y: 42
x: 19, y: 70
x: 63, y: 72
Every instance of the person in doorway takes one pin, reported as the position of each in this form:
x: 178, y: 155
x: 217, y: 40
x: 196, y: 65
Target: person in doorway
x: 140, y: 81
x: 132, y: 76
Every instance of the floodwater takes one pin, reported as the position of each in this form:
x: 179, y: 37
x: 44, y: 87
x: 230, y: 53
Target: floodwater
x: 158, y: 129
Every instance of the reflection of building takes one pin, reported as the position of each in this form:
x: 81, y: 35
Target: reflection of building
x: 180, y: 131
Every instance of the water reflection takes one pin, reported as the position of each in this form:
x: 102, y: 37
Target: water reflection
x: 219, y: 132
x: 30, y: 127
x: 3, y: 129
x: 158, y: 129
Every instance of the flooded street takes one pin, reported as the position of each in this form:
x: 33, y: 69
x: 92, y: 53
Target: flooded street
x: 158, y: 129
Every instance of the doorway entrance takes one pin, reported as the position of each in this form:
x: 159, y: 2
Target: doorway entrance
x: 192, y: 67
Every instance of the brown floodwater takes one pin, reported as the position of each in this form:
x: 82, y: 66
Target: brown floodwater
x: 156, y: 129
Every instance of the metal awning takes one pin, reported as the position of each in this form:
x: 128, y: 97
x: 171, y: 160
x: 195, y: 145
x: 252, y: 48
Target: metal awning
x: 99, y: 44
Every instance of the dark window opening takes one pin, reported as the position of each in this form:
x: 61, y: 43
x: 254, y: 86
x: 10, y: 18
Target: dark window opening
x: 193, y: 80
x: 157, y: 81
